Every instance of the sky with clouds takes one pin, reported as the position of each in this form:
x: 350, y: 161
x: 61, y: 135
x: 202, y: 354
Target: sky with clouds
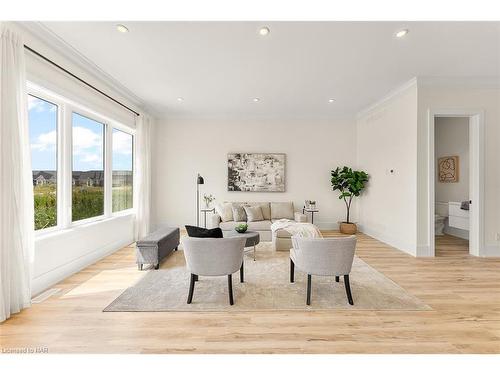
x: 88, y: 140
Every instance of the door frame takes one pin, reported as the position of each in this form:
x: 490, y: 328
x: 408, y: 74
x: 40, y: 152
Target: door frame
x: 476, y: 176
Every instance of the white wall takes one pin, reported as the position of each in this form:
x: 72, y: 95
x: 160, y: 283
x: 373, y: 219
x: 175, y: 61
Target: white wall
x: 184, y: 147
x: 386, y: 140
x: 452, y: 139
x: 461, y: 97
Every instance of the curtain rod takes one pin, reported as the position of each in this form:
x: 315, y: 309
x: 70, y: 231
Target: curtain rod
x: 79, y: 79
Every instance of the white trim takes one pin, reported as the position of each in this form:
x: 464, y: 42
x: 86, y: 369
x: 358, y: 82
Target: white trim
x: 48, y: 279
x: 491, y: 250
x: 60, y: 46
x: 388, y: 239
x: 476, y: 188
x: 393, y: 93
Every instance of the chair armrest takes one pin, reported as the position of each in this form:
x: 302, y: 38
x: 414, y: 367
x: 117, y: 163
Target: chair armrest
x: 300, y: 217
x: 213, y: 221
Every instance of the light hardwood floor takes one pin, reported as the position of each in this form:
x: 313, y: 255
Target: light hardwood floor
x: 463, y: 291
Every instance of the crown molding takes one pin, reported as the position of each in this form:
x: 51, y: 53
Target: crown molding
x: 61, y: 47
x: 387, y: 97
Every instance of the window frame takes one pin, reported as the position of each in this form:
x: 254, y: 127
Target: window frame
x: 64, y: 154
x: 126, y: 211
x: 59, y: 181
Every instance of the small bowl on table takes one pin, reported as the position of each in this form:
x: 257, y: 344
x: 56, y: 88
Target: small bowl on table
x: 241, y: 228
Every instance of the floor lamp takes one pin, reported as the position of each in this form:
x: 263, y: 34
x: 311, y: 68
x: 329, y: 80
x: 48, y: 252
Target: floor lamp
x: 199, y: 181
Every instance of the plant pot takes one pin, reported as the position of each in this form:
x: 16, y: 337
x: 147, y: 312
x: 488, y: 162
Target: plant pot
x: 348, y: 228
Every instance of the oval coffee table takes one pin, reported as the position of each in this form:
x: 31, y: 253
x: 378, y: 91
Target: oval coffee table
x: 252, y: 238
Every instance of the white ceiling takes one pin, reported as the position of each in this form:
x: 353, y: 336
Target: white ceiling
x: 219, y: 67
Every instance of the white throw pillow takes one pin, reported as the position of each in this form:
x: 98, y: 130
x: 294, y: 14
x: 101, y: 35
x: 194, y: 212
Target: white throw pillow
x: 225, y: 211
x: 254, y: 213
x: 282, y: 210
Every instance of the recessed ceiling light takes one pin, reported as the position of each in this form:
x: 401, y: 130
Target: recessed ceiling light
x: 402, y: 33
x: 331, y: 100
x: 122, y: 28
x: 264, y: 31
x: 179, y: 99
x: 256, y: 100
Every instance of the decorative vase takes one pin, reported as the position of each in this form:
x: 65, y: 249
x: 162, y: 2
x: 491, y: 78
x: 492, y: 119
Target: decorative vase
x: 348, y: 228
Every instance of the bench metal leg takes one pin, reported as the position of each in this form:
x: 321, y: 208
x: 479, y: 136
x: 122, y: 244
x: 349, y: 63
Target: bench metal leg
x: 139, y: 266
x: 292, y: 271
x: 242, y: 273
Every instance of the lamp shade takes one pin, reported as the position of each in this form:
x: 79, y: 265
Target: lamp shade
x: 200, y: 180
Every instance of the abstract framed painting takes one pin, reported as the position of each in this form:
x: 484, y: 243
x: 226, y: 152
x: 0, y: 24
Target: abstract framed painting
x: 256, y: 172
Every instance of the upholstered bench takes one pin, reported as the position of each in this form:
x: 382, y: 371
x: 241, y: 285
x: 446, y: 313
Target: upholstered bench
x: 156, y: 246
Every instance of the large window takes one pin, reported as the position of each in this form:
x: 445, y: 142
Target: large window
x: 88, y: 168
x: 82, y: 162
x: 43, y: 139
x: 122, y: 189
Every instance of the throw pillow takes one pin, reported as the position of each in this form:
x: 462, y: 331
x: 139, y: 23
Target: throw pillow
x: 225, y: 211
x: 254, y: 213
x: 266, y: 208
x: 203, y: 232
x: 239, y: 213
x: 282, y: 210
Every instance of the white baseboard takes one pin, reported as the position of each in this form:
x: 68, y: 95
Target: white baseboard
x: 491, y: 250
x: 324, y: 225
x: 389, y: 240
x: 48, y: 279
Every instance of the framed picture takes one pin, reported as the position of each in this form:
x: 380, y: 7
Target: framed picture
x: 256, y: 172
x: 448, y: 169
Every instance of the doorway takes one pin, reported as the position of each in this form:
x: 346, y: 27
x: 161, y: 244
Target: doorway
x: 456, y: 140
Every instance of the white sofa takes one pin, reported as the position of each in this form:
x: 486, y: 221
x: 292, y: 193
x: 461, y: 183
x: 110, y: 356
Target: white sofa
x: 271, y: 211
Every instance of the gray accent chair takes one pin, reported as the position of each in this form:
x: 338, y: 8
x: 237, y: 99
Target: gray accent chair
x: 323, y: 257
x: 213, y: 257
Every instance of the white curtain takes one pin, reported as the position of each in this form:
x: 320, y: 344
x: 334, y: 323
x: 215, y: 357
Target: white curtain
x: 142, y: 196
x: 16, y: 186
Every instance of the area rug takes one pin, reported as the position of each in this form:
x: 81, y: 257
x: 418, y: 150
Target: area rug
x: 266, y: 287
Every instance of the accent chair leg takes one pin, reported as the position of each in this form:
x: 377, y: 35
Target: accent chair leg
x: 230, y: 288
x: 139, y: 266
x: 191, y: 288
x: 308, y: 301
x: 337, y: 278
x: 292, y: 271
x: 157, y: 266
x: 242, y: 273
x: 348, y: 289
x: 196, y: 278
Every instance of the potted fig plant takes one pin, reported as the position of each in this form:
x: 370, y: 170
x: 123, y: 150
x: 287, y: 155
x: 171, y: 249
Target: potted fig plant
x: 350, y: 184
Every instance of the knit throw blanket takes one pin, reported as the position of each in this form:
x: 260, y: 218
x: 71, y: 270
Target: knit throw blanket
x: 297, y: 229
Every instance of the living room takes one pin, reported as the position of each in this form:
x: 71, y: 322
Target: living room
x: 249, y: 187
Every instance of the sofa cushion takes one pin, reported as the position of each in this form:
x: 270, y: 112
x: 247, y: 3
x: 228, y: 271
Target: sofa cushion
x: 254, y: 213
x: 282, y: 210
x: 239, y: 213
x: 259, y: 225
x: 266, y: 208
x: 229, y: 225
x: 203, y: 232
x: 225, y: 211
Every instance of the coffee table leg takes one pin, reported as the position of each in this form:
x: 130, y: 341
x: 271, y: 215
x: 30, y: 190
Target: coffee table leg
x: 254, y: 252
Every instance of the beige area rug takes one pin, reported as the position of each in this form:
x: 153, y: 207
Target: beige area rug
x: 266, y: 287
